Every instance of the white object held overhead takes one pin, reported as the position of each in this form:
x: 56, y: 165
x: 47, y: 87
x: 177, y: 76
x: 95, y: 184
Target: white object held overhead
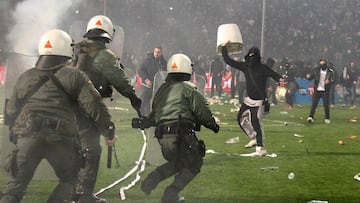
x: 229, y: 32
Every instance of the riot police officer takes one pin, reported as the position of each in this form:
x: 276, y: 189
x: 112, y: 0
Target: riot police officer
x: 41, y: 118
x: 103, y: 68
x: 176, y: 109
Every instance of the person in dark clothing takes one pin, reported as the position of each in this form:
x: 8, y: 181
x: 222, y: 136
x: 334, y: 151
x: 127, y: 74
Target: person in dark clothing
x: 334, y: 85
x: 154, y: 63
x: 348, y: 80
x: 217, y: 69
x: 324, y: 78
x: 251, y: 111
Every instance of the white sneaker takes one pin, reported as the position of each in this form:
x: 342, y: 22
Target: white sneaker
x: 252, y: 143
x: 310, y: 120
x: 261, y: 151
x: 327, y: 121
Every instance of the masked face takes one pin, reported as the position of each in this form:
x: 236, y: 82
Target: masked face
x: 323, y: 65
x: 253, y: 55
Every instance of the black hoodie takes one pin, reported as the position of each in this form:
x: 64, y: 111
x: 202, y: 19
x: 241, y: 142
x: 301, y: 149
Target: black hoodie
x: 256, y: 73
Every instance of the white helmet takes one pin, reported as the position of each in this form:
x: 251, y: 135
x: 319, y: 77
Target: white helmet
x: 56, y: 42
x: 102, y: 23
x: 179, y: 63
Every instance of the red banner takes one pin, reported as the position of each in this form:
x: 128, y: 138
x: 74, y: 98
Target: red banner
x: 226, y: 82
x: 2, y: 75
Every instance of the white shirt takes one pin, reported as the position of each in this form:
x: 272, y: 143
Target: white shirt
x: 321, y: 85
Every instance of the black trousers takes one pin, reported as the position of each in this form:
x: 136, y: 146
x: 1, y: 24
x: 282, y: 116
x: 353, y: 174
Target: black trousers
x: 325, y: 95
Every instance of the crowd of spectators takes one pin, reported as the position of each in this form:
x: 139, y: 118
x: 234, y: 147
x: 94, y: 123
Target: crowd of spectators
x: 302, y: 30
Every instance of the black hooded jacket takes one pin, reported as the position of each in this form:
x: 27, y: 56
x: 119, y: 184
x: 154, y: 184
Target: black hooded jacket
x: 256, y: 73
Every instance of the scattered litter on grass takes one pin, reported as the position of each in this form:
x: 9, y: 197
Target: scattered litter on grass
x: 234, y: 101
x: 254, y: 154
x: 284, y: 112
x: 273, y: 155
x: 351, y: 137
x: 357, y: 177
x: 270, y: 168
x: 341, y: 142
x: 317, y: 201
x: 291, y: 176
x: 282, y: 123
x: 297, y: 135
x: 210, y: 151
x: 233, y: 140
x: 300, y: 141
x: 214, y: 100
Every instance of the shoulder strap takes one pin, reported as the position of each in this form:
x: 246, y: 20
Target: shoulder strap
x: 28, y: 95
x: 50, y: 75
x: 35, y: 89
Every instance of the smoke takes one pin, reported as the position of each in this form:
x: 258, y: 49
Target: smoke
x: 31, y: 19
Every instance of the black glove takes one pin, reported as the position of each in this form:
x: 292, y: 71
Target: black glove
x: 216, y: 128
x: 135, y: 102
x: 142, y: 123
x: 110, y: 133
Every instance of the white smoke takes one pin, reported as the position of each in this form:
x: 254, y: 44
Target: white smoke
x: 31, y: 19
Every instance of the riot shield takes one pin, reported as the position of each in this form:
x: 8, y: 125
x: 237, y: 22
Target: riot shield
x: 117, y: 43
x: 78, y: 29
x: 153, y: 154
x: 16, y: 64
x: 159, y: 79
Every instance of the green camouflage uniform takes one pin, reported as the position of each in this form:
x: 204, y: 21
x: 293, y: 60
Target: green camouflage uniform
x: 176, y: 135
x: 46, y: 129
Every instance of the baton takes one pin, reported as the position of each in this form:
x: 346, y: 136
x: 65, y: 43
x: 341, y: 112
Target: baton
x: 116, y: 158
x: 109, y: 157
